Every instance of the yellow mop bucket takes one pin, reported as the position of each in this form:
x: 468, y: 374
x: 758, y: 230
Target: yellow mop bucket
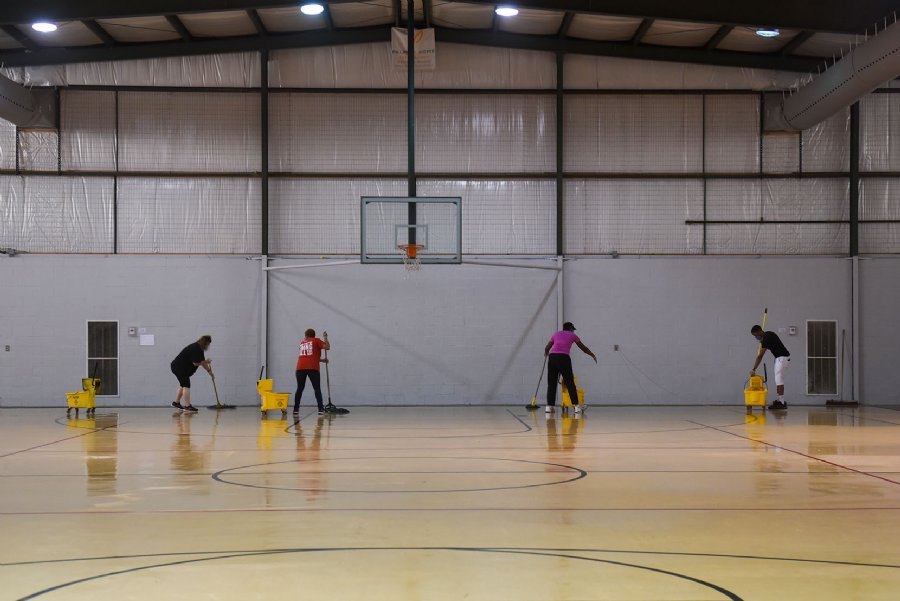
x: 271, y: 401
x: 755, y: 393
x: 86, y: 397
x: 566, y: 399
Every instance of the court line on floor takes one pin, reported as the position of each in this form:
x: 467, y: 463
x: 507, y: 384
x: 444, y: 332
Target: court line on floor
x: 55, y: 442
x: 486, y: 550
x: 813, y: 457
x: 233, y: 472
x: 439, y: 509
x: 510, y: 549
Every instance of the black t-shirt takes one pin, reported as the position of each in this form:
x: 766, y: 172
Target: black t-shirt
x: 771, y: 342
x: 184, y: 362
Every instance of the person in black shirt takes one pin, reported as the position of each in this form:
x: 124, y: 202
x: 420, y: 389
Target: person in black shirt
x: 769, y: 341
x: 184, y: 365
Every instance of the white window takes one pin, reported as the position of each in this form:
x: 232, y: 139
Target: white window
x: 103, y: 355
x: 821, y: 357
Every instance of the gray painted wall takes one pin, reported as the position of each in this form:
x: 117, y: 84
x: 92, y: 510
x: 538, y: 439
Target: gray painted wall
x: 879, y: 283
x: 48, y: 299
x: 449, y: 334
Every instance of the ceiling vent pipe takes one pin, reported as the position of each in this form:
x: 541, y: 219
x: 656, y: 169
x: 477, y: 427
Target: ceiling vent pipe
x: 26, y: 107
x: 862, y: 70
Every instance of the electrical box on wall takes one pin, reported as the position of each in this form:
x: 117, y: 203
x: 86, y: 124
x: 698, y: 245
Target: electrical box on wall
x: 132, y: 331
x: 792, y: 330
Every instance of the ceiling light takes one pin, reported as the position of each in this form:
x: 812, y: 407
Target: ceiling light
x: 768, y: 33
x: 506, y: 11
x: 312, y: 9
x: 44, y: 27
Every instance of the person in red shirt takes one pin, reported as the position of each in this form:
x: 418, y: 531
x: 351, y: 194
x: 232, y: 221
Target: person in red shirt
x: 308, y: 367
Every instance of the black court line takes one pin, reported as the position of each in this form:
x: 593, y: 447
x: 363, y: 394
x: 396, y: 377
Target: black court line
x: 825, y: 461
x: 339, y: 472
x: 218, y: 476
x: 717, y: 509
x: 836, y: 562
x: 530, y: 552
x: 47, y: 444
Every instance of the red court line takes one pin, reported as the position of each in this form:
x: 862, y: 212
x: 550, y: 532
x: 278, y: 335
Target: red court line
x: 813, y: 457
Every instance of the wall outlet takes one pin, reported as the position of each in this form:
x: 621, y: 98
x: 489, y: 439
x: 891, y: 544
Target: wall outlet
x: 615, y: 347
x: 7, y: 348
x: 132, y: 331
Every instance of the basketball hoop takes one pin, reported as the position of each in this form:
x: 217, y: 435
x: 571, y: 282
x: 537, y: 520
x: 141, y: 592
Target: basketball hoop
x: 410, y: 255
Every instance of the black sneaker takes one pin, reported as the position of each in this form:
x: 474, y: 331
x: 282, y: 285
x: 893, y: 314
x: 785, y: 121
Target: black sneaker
x: 778, y: 405
x: 322, y: 411
x: 296, y: 411
x: 177, y: 405
x: 190, y: 409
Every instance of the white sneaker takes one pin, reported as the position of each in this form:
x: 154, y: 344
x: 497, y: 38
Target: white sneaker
x: 577, y: 408
x: 548, y: 409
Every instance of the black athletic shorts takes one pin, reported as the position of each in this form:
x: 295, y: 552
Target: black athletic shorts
x: 184, y: 379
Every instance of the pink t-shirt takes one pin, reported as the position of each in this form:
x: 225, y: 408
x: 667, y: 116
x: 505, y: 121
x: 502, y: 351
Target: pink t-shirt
x: 563, y: 341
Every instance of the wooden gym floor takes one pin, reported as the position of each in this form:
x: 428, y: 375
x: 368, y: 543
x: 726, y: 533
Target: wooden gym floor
x: 446, y: 504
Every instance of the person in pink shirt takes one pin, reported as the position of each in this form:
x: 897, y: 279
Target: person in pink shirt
x: 559, y: 363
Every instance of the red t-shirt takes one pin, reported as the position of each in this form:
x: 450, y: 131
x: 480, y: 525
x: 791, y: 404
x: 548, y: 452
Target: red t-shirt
x: 310, y: 354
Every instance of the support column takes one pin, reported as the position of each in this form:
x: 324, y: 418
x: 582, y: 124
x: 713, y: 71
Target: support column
x: 264, y: 149
x: 560, y: 294
x: 854, y: 244
x: 411, y: 117
x: 560, y: 180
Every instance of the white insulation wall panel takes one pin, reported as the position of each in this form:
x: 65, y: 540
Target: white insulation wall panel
x: 583, y: 72
x: 879, y: 200
x: 56, y: 214
x: 181, y: 215
x: 633, y: 216
x: 879, y: 132
x: 88, y: 136
x: 485, y: 133
x: 38, y: 150
x: 321, y: 216
x: 826, y: 146
x: 322, y: 133
x: 238, y: 70
x: 505, y: 217
x: 732, y: 133
x: 775, y: 200
x: 7, y: 145
x: 189, y: 131
x: 369, y: 66
x: 781, y: 152
x: 627, y: 133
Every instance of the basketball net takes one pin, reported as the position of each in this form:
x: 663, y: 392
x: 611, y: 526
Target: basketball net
x: 410, y: 255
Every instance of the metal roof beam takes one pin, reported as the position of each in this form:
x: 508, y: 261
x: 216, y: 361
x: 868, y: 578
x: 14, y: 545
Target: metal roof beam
x: 717, y: 37
x: 99, y: 32
x: 566, y: 25
x: 176, y: 23
x: 829, y: 15
x: 642, y: 30
x: 795, y: 42
x: 52, y: 56
x: 16, y: 34
x: 257, y: 22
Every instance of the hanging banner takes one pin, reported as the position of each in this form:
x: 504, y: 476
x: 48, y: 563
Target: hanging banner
x: 424, y: 48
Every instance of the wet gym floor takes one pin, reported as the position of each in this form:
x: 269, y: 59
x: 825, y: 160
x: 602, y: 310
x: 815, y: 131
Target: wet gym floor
x: 447, y: 504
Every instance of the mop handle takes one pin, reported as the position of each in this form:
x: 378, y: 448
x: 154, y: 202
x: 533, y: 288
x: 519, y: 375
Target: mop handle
x: 327, y: 377
x: 541, y: 378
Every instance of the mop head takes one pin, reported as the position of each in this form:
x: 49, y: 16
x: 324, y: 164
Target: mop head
x: 532, y: 407
x: 217, y: 407
x: 336, y: 410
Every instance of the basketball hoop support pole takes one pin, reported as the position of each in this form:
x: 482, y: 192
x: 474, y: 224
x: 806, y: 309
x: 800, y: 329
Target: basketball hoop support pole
x: 560, y: 293
x: 309, y: 265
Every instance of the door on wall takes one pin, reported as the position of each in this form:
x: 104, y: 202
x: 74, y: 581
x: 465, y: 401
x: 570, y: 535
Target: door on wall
x: 103, y: 355
x: 821, y: 357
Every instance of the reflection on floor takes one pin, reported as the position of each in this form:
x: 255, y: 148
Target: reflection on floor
x: 481, y: 504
